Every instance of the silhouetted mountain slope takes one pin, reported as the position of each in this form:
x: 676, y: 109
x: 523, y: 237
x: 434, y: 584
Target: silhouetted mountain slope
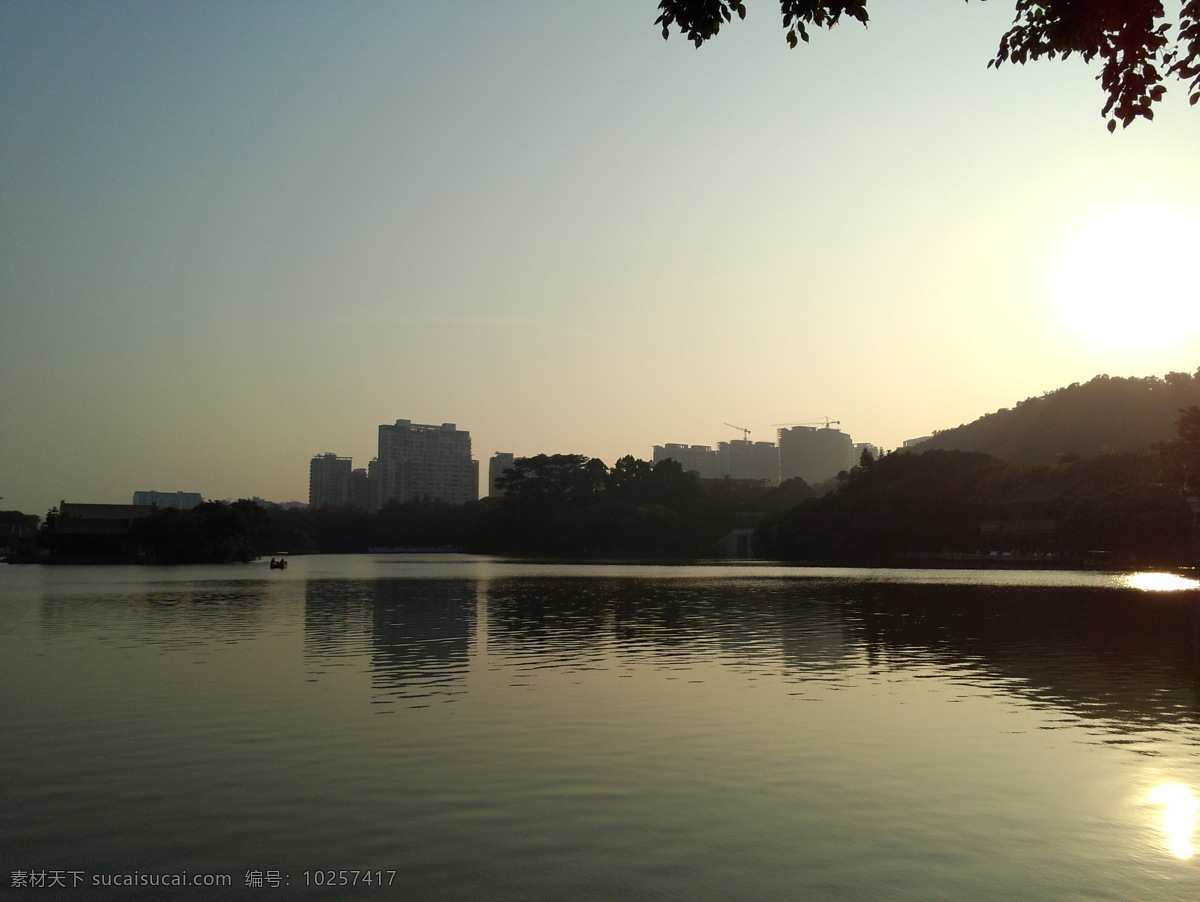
x: 1105, y: 414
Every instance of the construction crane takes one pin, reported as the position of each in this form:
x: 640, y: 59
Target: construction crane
x: 745, y: 432
x: 824, y: 421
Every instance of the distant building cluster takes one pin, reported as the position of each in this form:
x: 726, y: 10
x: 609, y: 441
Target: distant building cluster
x: 812, y: 453
x: 414, y: 461
x: 741, y: 459
x: 333, y: 480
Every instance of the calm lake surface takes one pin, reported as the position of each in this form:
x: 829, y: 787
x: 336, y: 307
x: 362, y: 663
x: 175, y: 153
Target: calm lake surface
x: 461, y: 728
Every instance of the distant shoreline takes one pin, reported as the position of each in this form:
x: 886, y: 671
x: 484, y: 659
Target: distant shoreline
x: 904, y: 561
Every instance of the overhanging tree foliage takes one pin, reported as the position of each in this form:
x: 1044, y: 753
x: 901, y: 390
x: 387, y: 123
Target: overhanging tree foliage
x: 1132, y: 39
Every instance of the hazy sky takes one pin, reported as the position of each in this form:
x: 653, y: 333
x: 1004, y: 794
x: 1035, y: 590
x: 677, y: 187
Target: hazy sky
x: 235, y: 235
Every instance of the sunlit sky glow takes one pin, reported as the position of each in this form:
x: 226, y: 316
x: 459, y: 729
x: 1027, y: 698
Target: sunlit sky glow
x: 237, y: 235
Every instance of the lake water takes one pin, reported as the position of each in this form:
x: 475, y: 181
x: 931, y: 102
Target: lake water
x: 457, y: 728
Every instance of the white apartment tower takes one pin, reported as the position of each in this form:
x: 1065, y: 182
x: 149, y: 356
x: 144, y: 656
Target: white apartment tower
x: 418, y: 461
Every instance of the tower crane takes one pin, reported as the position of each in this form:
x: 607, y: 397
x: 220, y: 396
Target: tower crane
x: 745, y: 432
x: 824, y: 421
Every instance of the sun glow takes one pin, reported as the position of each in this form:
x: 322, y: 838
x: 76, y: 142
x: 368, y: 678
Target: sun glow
x: 1180, y: 813
x: 1126, y: 279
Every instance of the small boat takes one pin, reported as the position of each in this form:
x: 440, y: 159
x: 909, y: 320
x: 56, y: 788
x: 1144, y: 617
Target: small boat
x: 280, y: 564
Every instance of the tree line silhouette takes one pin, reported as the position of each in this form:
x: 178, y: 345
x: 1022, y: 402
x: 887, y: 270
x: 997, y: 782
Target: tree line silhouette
x: 554, y: 505
x: 1134, y: 507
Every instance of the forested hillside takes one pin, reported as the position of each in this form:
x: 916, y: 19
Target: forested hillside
x: 1125, y: 506
x: 1106, y: 414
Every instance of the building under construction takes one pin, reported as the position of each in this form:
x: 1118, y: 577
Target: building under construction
x: 814, y: 453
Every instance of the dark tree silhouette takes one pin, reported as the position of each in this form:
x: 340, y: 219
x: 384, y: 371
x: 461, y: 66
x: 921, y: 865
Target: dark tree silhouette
x: 1131, y: 38
x: 1183, y: 454
x: 212, y: 532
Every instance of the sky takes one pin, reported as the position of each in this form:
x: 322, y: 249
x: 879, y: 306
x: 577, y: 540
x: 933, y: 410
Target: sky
x: 234, y: 236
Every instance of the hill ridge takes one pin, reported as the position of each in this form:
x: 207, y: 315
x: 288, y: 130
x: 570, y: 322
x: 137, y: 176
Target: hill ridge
x: 1104, y: 414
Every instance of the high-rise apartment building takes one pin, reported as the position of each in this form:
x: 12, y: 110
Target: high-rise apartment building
x: 362, y: 493
x: 814, y: 453
x: 859, y: 448
x: 183, y: 500
x: 700, y: 459
x: 744, y: 459
x: 500, y: 462
x: 328, y: 480
x: 420, y: 461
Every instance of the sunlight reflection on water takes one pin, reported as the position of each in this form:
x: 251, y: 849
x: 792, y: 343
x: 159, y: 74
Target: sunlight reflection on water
x: 1160, y: 582
x: 1179, y: 816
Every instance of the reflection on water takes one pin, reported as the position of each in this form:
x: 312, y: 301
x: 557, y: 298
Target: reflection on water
x: 416, y: 633
x: 516, y: 731
x: 1180, y: 811
x: 1126, y: 658
x: 1160, y: 582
